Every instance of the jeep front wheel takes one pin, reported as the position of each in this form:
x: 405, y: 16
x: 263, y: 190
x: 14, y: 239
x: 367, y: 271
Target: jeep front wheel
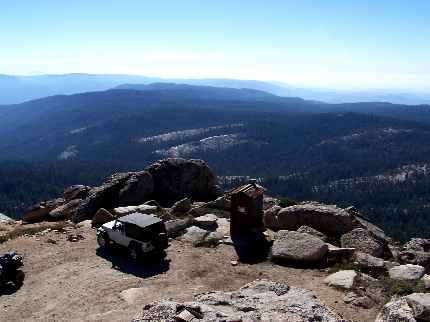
x: 103, y: 241
x: 133, y: 252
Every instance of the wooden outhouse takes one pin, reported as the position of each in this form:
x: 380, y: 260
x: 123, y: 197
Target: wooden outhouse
x: 247, y: 209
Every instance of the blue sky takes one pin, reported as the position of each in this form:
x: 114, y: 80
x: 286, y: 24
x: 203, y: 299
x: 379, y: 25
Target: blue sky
x: 321, y: 43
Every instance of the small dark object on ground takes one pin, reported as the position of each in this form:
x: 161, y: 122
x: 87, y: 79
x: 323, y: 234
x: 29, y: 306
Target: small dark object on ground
x: 9, y: 270
x: 75, y: 238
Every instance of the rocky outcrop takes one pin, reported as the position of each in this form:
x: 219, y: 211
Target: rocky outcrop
x: 298, y: 247
x: 418, y: 244
x: 137, y: 189
x: 165, y: 181
x: 76, y: 192
x: 362, y: 240
x: 143, y: 209
x: 260, y: 300
x: 420, y: 304
x: 415, y: 257
x: 406, y: 272
x: 175, y: 179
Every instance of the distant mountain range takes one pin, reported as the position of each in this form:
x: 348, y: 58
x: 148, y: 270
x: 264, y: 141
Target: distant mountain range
x: 18, y: 89
x: 374, y: 155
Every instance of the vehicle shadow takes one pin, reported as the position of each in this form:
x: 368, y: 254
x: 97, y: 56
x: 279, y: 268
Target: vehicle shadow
x: 8, y: 289
x: 145, y: 267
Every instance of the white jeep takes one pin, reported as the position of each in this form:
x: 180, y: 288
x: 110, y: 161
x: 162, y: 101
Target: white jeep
x: 140, y: 233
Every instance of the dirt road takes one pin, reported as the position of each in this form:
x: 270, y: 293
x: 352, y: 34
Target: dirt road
x: 73, y: 281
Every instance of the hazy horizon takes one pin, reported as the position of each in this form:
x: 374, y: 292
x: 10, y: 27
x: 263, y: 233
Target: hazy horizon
x: 332, y: 45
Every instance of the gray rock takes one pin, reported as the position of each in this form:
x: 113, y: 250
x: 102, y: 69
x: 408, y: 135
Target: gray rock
x: 76, y: 192
x: 397, y: 310
x: 269, y: 202
x: 338, y: 254
x: 407, y: 272
x: 366, y: 261
x: 175, y: 179
x: 260, y: 300
x: 40, y: 211
x: 328, y: 219
x: 416, y: 258
x: 359, y: 300
x: 300, y: 247
x: 65, y: 211
x: 101, y: 217
x: 418, y: 244
x: 363, y: 241
x: 313, y: 232
x: 426, y: 281
x: 207, y: 221
x: 181, y: 207
x: 176, y: 226
x: 137, y: 189
x: 420, y: 304
x: 195, y: 235
x: 342, y: 279
x: 270, y: 218
x: 221, y: 203
x: 143, y: 209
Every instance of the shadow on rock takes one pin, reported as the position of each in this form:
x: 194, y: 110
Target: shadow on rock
x: 145, y: 267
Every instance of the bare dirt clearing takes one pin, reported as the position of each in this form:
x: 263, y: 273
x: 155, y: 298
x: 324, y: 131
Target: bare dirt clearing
x: 74, y: 281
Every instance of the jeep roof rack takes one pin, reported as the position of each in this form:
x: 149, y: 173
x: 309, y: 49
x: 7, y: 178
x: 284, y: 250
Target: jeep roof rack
x: 141, y: 220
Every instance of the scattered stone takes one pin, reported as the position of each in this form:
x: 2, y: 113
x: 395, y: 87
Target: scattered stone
x: 420, y: 304
x: 207, y: 221
x: 181, y: 207
x: 75, y: 238
x: 101, y: 217
x: 269, y: 202
x: 51, y: 241
x: 298, y: 247
x: 407, y: 272
x: 363, y: 241
x: 234, y: 263
x: 342, y: 279
x: 260, y: 300
x: 195, y: 235
x: 358, y: 300
x: 176, y: 226
x: 313, y: 232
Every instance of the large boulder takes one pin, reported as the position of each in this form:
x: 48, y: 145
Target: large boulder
x: 40, y: 211
x: 104, y: 196
x: 368, y: 262
x: 328, y: 219
x: 137, y: 189
x: 407, y: 272
x: 313, y: 232
x: 342, y: 279
x: 362, y: 240
x: 101, y: 217
x: 208, y: 221
x: 175, y: 227
x: 76, y: 192
x: 65, y: 211
x: 298, y: 247
x: 175, y: 179
x: 143, y: 209
x: 260, y: 300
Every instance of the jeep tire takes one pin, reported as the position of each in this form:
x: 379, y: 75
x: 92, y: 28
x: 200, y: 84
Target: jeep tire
x: 103, y: 240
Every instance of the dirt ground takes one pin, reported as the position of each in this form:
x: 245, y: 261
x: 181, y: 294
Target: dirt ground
x: 74, y: 281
